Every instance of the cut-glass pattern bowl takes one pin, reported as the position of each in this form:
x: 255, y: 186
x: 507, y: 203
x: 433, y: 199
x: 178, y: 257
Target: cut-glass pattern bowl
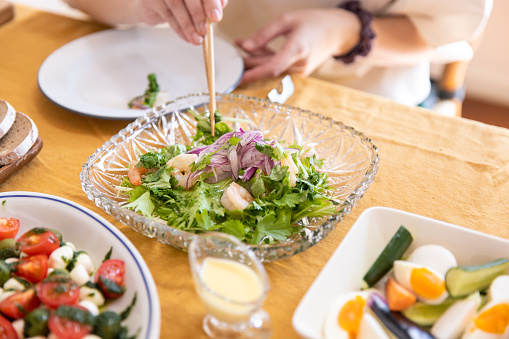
x: 349, y: 157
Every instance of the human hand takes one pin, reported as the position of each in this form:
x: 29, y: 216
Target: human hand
x: 312, y: 36
x: 186, y: 17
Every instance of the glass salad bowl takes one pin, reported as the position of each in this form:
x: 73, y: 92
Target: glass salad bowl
x: 350, y: 159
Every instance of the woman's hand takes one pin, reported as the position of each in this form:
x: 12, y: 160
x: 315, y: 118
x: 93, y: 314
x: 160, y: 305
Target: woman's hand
x: 312, y: 36
x: 186, y: 17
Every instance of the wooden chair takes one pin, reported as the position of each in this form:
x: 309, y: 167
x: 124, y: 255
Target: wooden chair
x: 450, y: 88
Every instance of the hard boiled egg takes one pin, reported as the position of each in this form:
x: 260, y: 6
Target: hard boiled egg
x: 491, y: 322
x: 427, y: 284
x: 435, y: 257
x: 499, y: 288
x: 347, y: 318
x: 370, y: 328
x: 424, y: 272
x: 344, y: 317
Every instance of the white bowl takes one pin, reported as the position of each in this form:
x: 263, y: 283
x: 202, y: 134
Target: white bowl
x: 92, y: 233
x: 366, y: 239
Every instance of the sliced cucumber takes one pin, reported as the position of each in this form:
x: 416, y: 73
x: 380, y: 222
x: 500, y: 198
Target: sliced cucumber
x: 425, y: 314
x: 460, y: 281
x: 394, y: 250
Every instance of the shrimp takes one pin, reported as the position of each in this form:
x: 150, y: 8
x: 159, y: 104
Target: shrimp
x: 185, y: 180
x: 236, y: 197
x: 182, y: 162
x: 135, y: 174
x: 292, y: 169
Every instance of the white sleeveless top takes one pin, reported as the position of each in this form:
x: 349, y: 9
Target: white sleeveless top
x: 445, y: 24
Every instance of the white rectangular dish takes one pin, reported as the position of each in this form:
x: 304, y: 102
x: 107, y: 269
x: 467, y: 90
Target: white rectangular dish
x: 367, y: 238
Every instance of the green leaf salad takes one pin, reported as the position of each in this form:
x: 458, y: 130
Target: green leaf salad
x: 236, y: 182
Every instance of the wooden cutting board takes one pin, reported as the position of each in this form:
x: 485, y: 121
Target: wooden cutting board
x: 6, y: 12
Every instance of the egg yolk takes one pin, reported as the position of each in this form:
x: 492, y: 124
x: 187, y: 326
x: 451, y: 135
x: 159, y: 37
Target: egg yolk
x: 494, y: 319
x: 350, y: 316
x: 426, y: 284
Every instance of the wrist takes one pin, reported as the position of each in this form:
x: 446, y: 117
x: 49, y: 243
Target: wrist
x: 365, y: 33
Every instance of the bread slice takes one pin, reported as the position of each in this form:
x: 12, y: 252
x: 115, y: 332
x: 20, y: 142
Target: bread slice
x: 7, y: 115
x: 20, y: 138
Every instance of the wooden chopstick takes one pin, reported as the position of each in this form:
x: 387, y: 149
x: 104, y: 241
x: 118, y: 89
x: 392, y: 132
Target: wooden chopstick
x: 208, y: 55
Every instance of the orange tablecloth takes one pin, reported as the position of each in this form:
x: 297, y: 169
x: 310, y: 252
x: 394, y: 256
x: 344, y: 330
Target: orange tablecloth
x: 451, y: 169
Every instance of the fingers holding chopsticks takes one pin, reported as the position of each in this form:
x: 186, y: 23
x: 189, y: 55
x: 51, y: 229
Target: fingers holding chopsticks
x: 187, y: 17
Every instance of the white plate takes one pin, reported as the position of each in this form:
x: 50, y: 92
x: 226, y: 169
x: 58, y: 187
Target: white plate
x: 364, y: 242
x: 90, y: 232
x: 98, y: 74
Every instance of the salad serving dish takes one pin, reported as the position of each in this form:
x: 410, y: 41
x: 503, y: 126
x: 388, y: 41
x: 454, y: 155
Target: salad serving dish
x: 366, y: 240
x: 92, y: 233
x: 350, y: 159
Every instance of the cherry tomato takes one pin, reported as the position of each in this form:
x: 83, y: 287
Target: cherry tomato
x: 64, y: 324
x: 9, y: 227
x: 33, y: 269
x: 38, y: 240
x: 111, y: 278
x: 58, y: 290
x: 20, y: 303
x: 6, y: 329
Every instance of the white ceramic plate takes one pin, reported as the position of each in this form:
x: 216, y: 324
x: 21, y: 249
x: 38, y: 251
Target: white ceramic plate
x: 364, y: 242
x: 90, y: 232
x: 98, y: 74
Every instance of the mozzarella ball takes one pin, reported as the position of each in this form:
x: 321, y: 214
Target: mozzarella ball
x: 13, y: 284
x: 84, y: 260
x: 92, y: 294
x: 80, y: 275
x: 90, y: 306
x: 19, y: 326
x: 60, y: 257
x: 6, y: 294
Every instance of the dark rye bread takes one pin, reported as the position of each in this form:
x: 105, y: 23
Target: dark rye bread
x: 7, y: 115
x: 18, y: 140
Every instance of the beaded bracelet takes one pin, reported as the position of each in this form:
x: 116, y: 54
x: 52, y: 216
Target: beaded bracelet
x: 363, y: 47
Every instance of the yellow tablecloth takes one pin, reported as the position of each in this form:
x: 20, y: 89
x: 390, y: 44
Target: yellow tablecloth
x: 451, y: 169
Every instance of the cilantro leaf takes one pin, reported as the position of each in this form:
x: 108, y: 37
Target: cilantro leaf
x: 258, y: 187
x: 273, y: 227
x: 289, y: 199
x: 265, y: 149
x: 234, y: 227
x: 278, y: 173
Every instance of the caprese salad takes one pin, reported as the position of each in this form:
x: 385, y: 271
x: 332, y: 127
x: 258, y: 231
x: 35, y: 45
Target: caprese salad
x: 50, y: 289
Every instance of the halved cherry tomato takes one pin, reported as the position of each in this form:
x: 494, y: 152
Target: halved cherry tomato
x: 111, y: 278
x: 33, y: 269
x: 6, y: 329
x: 64, y: 322
x: 58, y: 290
x: 17, y: 305
x: 9, y: 227
x: 38, y: 240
